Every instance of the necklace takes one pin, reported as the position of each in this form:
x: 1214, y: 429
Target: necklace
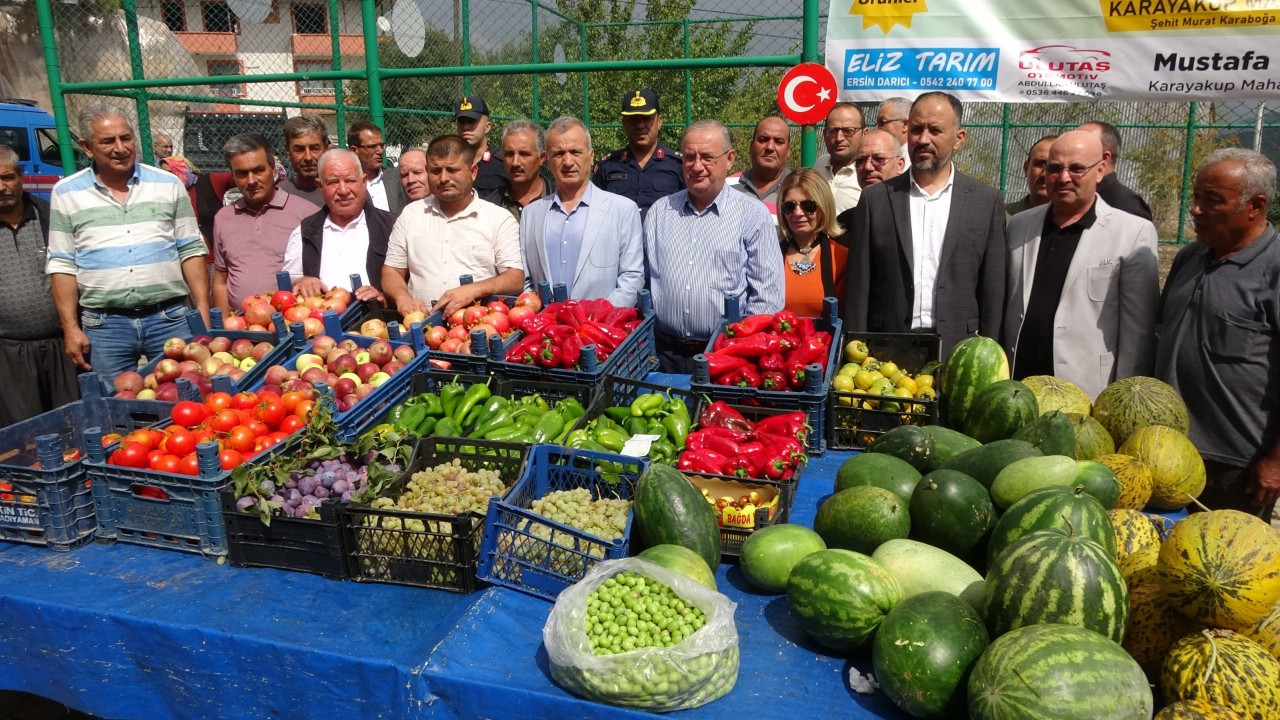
x: 805, y: 264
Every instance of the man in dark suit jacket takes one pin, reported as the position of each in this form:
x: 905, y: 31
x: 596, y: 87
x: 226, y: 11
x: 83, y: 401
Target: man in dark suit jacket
x: 1115, y: 193
x: 927, y: 248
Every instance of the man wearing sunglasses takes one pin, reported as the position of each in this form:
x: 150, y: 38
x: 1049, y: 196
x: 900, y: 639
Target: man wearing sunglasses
x: 891, y: 117
x: 1083, y: 278
x: 365, y: 140
x: 841, y: 134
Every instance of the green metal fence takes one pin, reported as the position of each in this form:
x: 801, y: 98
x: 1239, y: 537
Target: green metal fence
x: 200, y: 70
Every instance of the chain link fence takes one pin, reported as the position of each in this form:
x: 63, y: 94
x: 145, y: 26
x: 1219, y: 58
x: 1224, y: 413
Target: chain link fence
x: 203, y: 70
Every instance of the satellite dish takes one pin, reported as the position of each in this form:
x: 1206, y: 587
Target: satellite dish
x: 250, y: 11
x: 559, y: 57
x: 409, y: 27
x: 384, y: 25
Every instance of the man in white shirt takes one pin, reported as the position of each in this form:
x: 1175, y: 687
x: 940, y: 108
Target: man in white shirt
x: 841, y: 134
x: 365, y: 140
x: 348, y: 236
x: 449, y: 234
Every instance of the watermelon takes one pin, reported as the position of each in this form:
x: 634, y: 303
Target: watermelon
x: 909, y: 443
x: 1064, y: 509
x: 769, y: 553
x: 1092, y: 439
x: 1197, y: 710
x: 923, y: 651
x: 1048, y: 577
x: 985, y: 462
x: 948, y: 443
x: 839, y: 597
x: 1132, y: 476
x: 1135, y: 402
x: 861, y: 518
x: 1023, y: 476
x: 1057, y: 672
x: 669, y: 509
x: 680, y: 559
x: 921, y: 568
x: 1000, y: 410
x: 1177, y: 471
x: 1222, y: 568
x: 952, y: 511
x: 1224, y: 668
x: 1154, y: 626
x: 881, y: 470
x: 1133, y: 530
x: 1054, y: 393
x: 1052, y: 433
x: 973, y: 364
x: 1098, y: 480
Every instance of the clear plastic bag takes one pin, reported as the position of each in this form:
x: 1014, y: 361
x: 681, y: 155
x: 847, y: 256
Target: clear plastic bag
x: 693, y: 672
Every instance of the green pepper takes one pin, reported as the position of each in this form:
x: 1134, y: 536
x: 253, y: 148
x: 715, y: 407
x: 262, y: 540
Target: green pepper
x: 432, y: 403
x: 612, y: 441
x: 663, y: 452
x: 589, y: 444
x: 577, y: 436
x: 677, y: 428
x: 425, y: 427
x: 506, y: 433
x: 528, y: 416
x: 450, y: 395
x: 617, y: 414
x: 495, y: 404
x: 604, y: 422
x: 571, y: 409
x: 409, y: 418
x: 535, y: 400
x: 549, y: 426
x: 647, y: 404
x: 397, y: 412
x: 500, y: 419
x: 655, y: 427
x: 448, y: 427
x: 474, y: 395
x: 678, y: 407
x: 633, y: 426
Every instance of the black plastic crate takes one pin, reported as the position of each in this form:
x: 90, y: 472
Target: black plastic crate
x: 444, y: 552
x: 301, y: 544
x: 850, y: 427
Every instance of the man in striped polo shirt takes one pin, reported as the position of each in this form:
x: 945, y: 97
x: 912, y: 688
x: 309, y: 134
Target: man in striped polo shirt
x: 124, y: 251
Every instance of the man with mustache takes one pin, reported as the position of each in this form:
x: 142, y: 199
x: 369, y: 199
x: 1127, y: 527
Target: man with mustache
x: 770, y: 151
x: 1033, y: 170
x: 305, y: 140
x: 841, y: 134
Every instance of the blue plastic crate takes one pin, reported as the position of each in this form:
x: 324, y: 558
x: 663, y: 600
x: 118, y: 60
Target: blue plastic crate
x: 52, y: 505
x: 527, y: 552
x: 285, y: 343
x: 812, y: 399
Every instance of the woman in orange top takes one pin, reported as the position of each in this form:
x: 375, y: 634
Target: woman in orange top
x: 814, y: 258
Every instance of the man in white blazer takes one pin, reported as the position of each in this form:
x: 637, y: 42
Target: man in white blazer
x: 584, y: 237
x: 1083, y: 278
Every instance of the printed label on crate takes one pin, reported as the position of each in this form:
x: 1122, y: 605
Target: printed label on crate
x: 19, y: 516
x: 153, y: 517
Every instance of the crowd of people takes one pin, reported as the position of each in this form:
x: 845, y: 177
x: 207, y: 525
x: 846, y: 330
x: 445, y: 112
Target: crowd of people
x: 1066, y: 277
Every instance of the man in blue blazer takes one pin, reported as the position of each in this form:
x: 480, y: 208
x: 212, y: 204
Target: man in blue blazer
x: 584, y: 237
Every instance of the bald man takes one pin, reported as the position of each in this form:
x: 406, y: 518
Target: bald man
x: 1083, y: 278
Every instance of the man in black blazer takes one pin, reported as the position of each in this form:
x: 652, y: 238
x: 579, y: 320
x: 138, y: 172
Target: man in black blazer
x: 927, y: 248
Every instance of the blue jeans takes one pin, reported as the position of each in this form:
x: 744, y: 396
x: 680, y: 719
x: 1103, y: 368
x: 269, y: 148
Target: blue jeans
x: 117, y: 342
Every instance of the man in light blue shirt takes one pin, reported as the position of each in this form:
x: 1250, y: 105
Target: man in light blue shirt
x: 581, y: 236
x: 706, y: 243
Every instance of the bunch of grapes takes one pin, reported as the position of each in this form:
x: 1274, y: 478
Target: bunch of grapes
x: 308, y: 487
x: 630, y: 611
x: 451, y: 489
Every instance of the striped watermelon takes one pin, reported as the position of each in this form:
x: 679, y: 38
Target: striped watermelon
x: 1154, y: 626
x: 1055, y: 393
x: 1057, y: 672
x: 1068, y: 510
x: 973, y: 364
x: 1133, y: 530
x: 1135, y: 402
x: 1224, y: 668
x: 1222, y: 568
x: 838, y: 597
x: 1048, y: 577
x: 1092, y: 439
x: 999, y: 410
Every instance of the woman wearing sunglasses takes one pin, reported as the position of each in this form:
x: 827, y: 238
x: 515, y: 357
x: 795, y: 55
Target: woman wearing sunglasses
x: 813, y: 256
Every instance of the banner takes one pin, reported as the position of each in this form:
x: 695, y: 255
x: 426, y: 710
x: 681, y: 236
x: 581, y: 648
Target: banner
x: 1056, y: 50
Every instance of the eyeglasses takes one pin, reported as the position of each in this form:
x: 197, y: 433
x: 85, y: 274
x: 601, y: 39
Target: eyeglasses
x: 845, y: 131
x: 808, y: 206
x: 693, y: 159
x: 1075, y: 171
x: 881, y: 122
x: 372, y: 146
x: 877, y: 161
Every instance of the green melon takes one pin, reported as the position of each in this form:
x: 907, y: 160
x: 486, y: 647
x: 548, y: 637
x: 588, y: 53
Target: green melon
x: 1132, y: 476
x: 1222, y: 667
x: 1064, y: 509
x: 1177, y: 471
x: 769, y: 553
x: 861, y: 518
x: 1057, y: 672
x: 1092, y: 440
x: 952, y: 511
x: 985, y: 462
x: 1098, y: 480
x: 1054, y: 393
x: 1023, y: 476
x: 1135, y: 402
x: 839, y: 597
x: 922, y: 653
x: 680, y: 559
x: 881, y: 470
x: 921, y: 568
x: 1000, y: 410
x: 973, y: 364
x: 1048, y: 577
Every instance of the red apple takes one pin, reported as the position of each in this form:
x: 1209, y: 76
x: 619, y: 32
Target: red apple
x: 323, y: 344
x: 519, y: 314
x: 261, y: 349
x: 392, y: 367
x: 457, y: 317
x: 297, y: 385
x: 312, y: 327
x: 314, y: 374
x: 474, y: 314
x: 173, y: 348
x: 436, y: 335
x: 497, y: 306
x: 451, y: 345
x: 151, y: 382
x: 167, y: 392
x: 167, y: 370
x: 211, y: 367
x: 225, y: 369
x: 197, y: 352
x: 349, y: 344
x: 235, y: 322
x: 347, y: 402
x: 220, y: 344
x: 334, y: 354
x: 269, y: 388
x: 129, y: 381
x: 283, y: 300
x: 330, y: 379
x: 363, y: 390
x: 344, y: 387
x: 235, y: 374
x: 499, y: 321
x: 151, y: 394
x: 241, y: 349
x: 344, y: 363
x: 529, y: 299
x: 403, y: 354
x: 380, y: 352
x: 202, y: 340
x: 366, y: 371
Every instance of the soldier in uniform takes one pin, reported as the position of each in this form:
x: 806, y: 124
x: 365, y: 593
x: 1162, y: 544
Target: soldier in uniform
x: 645, y: 169
x: 472, y: 116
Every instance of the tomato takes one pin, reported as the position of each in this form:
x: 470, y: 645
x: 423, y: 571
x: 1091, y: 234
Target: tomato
x: 189, y: 465
x: 224, y: 421
x: 217, y: 401
x: 188, y: 414
x: 133, y: 455
x: 109, y: 439
x: 258, y: 427
x: 241, y: 439
x: 292, y: 424
x: 230, y: 459
x: 278, y: 436
x: 141, y: 437
x: 169, y: 463
x: 291, y: 400
x: 203, y: 434
x: 271, y: 412
x: 153, y: 458
x: 303, y: 409
x: 181, y: 442
x: 244, y: 400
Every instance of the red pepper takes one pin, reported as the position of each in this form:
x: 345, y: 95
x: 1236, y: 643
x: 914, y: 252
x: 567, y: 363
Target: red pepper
x: 598, y: 309
x: 593, y: 334
x: 792, y: 424
x: 749, y: 326
x: 754, y: 453
x: 772, y: 361
x: 748, y: 377
x: 706, y: 441
x: 806, y: 328
x: 776, y: 469
x: 620, y: 316
x: 573, y: 313
x: 617, y: 335
x: 525, y: 351
x: 795, y: 374
x: 719, y: 364
x: 782, y: 446
x: 732, y: 434
x: 753, y: 346
x: 719, y: 414
x: 773, y: 380
x: 630, y: 326
x: 785, y: 322
x: 721, y: 341
x: 551, y: 354
x: 571, y: 352
x: 729, y: 378
x: 539, y: 322
x: 558, y: 333
x: 702, y: 461
x: 813, y: 350
x: 738, y: 467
